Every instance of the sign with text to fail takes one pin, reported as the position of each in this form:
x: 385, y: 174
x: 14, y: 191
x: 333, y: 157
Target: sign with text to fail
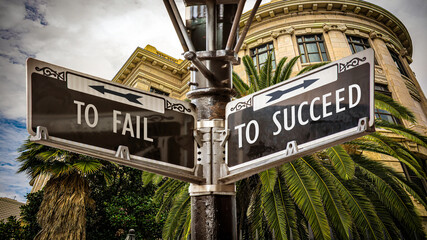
x: 325, y: 107
x: 88, y: 115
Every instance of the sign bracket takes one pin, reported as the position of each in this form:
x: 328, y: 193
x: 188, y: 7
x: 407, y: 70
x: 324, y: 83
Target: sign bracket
x: 291, y: 148
x: 198, y: 138
x: 41, y: 134
x: 362, y: 125
x: 123, y: 152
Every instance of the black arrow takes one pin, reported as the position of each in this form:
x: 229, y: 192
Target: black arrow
x: 129, y: 96
x: 278, y: 94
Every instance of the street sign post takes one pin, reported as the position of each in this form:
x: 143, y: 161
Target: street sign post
x: 325, y: 107
x: 88, y: 115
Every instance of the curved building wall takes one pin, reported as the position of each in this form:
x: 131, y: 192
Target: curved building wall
x: 340, y: 25
x: 282, y: 22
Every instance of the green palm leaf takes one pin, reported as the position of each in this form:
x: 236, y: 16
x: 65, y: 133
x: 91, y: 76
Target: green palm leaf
x: 402, y: 131
x: 274, y: 213
x: 307, y: 198
x: 289, y: 209
x: 341, y: 161
x: 312, y: 67
x: 397, y: 202
x: 88, y: 167
x: 148, y: 177
x: 268, y: 179
x: 418, y: 195
x: 339, y: 217
x: 266, y: 73
x: 388, y: 104
x: 278, y: 71
x: 359, y: 206
x: 396, y: 151
x: 287, y: 69
x: 252, y: 72
x: 177, y: 216
x: 255, y: 213
x: 241, y: 87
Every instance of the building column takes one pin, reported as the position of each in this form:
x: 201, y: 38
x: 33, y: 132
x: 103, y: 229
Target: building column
x: 285, y: 45
x: 396, y: 83
x: 336, y: 41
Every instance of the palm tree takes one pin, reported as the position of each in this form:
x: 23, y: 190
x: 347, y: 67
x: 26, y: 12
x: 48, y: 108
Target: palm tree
x: 337, y: 193
x: 62, y: 214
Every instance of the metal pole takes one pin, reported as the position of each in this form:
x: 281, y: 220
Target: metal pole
x: 235, y: 24
x: 213, y: 205
x: 246, y: 29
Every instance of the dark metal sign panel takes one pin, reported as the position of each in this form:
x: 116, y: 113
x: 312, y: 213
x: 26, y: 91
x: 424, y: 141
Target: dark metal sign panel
x: 88, y: 115
x: 325, y: 107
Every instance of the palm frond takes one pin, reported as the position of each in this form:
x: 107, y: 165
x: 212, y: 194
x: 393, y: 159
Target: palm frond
x: 359, y: 206
x: 341, y: 161
x: 252, y: 72
x: 241, y: 87
x: 397, y: 151
x: 166, y: 194
x: 148, y: 178
x: 388, y: 104
x: 266, y: 73
x: 289, y: 209
x: 274, y: 213
x: 255, y: 213
x: 268, y: 179
x: 387, y: 221
x: 278, y: 71
x: 336, y: 212
x: 177, y: 216
x: 287, y: 69
x: 88, y: 167
x: 418, y: 195
x: 389, y: 193
x: 307, y: 198
x: 402, y: 131
x: 312, y: 67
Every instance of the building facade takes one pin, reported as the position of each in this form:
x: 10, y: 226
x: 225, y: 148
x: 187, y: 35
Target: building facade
x: 316, y: 31
x: 151, y: 70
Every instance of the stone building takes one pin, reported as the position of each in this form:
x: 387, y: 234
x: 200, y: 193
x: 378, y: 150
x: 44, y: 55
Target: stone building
x: 318, y: 31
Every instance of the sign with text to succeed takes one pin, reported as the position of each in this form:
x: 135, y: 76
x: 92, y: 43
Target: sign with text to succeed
x: 325, y: 107
x: 88, y: 115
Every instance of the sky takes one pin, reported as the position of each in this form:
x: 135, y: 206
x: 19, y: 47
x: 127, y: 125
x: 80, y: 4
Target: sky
x: 97, y: 37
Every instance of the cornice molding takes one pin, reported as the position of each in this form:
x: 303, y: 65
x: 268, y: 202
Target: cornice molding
x: 334, y: 27
x: 356, y: 8
x: 375, y: 35
x: 141, y: 55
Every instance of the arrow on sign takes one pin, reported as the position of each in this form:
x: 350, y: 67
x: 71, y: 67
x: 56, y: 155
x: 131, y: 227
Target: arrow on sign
x: 129, y: 96
x: 278, y: 94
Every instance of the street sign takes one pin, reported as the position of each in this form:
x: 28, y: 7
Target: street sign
x: 322, y: 108
x: 99, y: 118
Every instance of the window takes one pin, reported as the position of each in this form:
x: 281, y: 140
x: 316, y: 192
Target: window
x: 382, y: 114
x: 155, y: 90
x: 398, y: 63
x: 312, y: 48
x: 259, y: 55
x: 357, y: 44
x: 383, y: 89
x: 412, y: 177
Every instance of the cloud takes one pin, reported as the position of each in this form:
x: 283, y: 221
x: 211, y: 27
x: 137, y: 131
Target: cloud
x: 13, y: 134
x: 94, y: 37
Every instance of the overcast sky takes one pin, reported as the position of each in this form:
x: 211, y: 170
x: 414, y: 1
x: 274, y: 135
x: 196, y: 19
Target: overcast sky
x: 97, y: 37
